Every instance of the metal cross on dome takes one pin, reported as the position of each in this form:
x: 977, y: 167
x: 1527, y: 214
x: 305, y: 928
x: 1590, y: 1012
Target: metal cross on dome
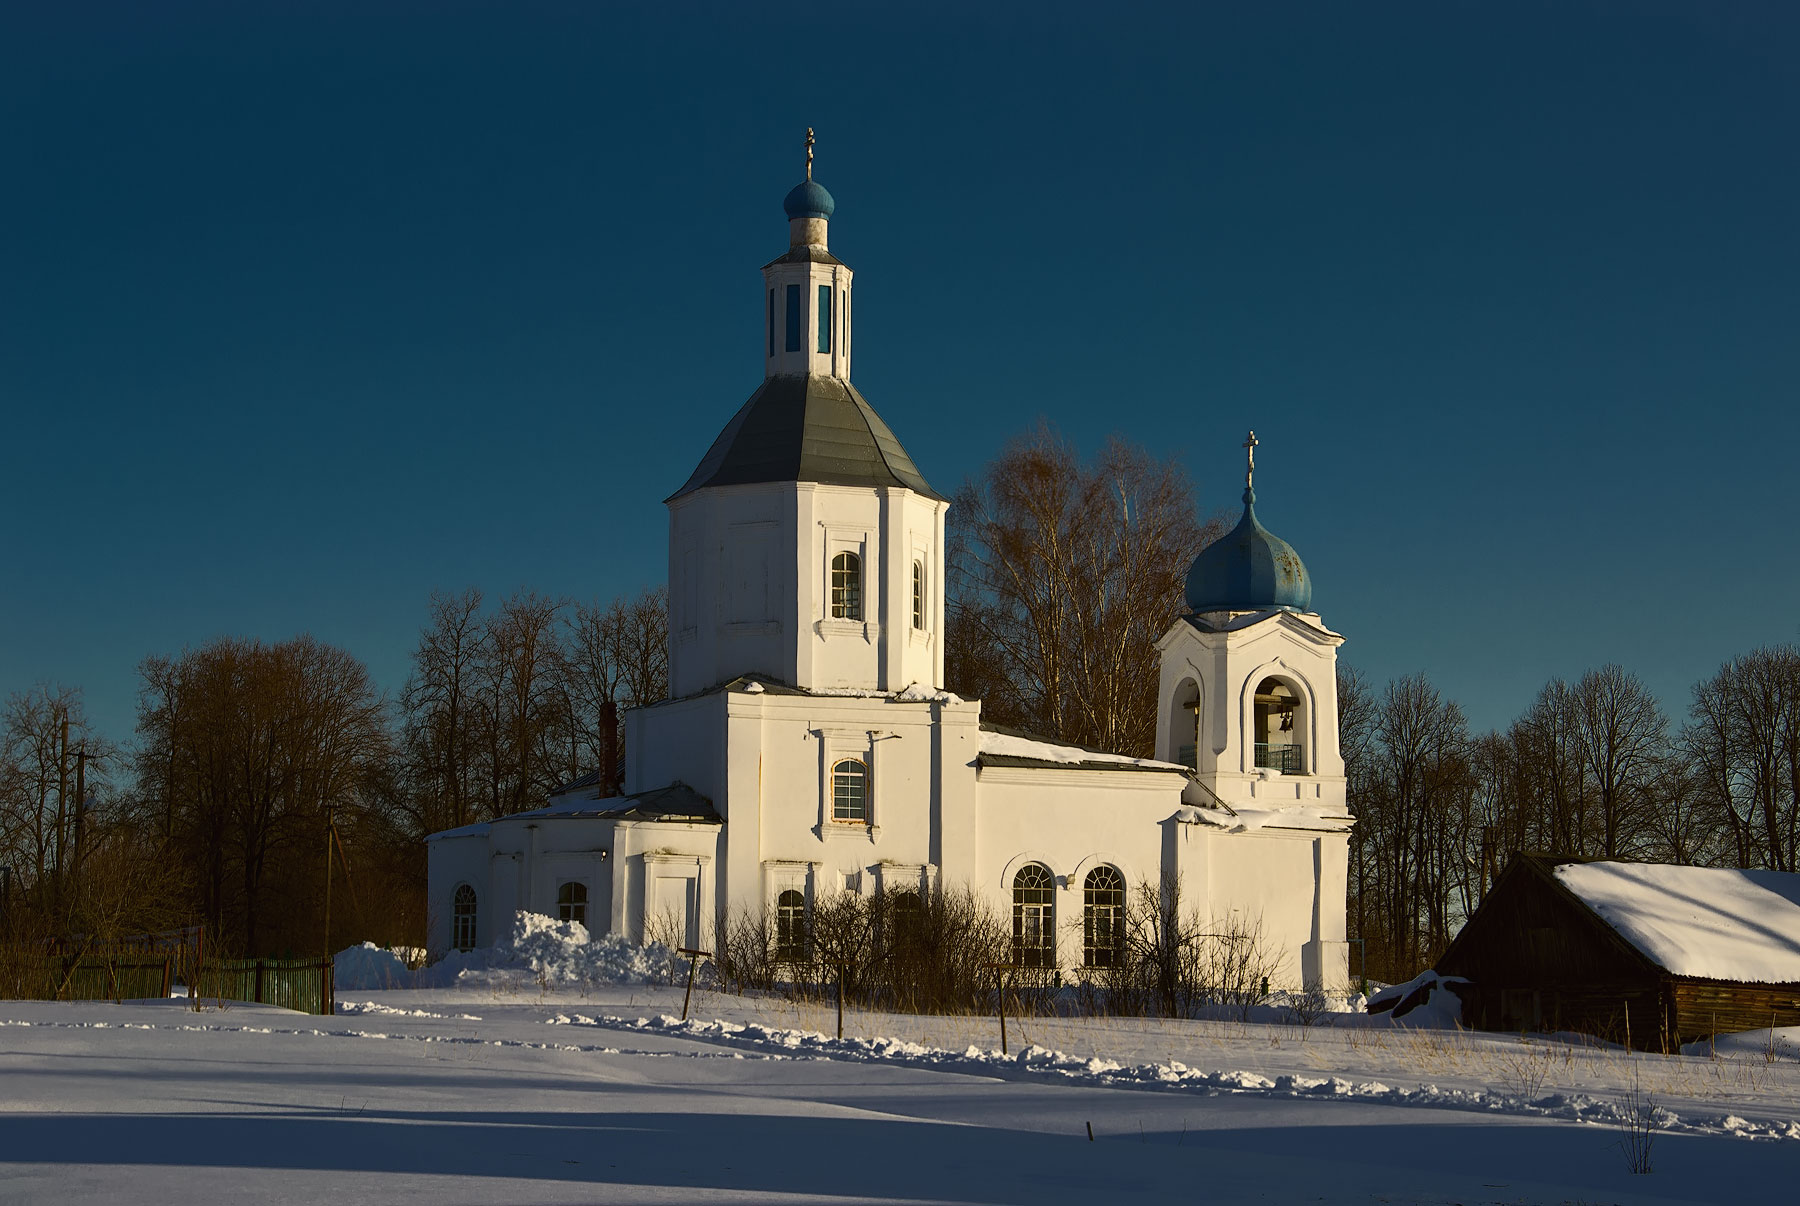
x: 1250, y: 443
x: 809, y: 152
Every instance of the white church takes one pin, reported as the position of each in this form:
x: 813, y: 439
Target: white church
x: 808, y: 746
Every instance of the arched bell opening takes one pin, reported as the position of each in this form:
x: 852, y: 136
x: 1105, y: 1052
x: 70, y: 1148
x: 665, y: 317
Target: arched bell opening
x: 1184, y: 725
x: 1280, y: 727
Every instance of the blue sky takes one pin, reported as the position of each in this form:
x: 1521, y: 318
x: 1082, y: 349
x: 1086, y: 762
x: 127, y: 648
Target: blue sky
x: 307, y: 309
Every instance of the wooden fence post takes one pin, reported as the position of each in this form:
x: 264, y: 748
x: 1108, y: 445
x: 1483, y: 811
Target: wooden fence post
x: 1000, y: 996
x: 694, y: 958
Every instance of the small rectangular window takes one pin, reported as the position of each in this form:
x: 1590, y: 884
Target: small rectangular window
x: 918, y: 594
x: 793, y: 318
x: 771, y: 322
x: 824, y: 318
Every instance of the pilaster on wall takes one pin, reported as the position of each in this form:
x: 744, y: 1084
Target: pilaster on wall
x: 954, y: 832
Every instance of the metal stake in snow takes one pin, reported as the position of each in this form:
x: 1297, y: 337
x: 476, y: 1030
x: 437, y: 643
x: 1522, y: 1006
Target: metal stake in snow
x: 1000, y: 995
x: 694, y: 958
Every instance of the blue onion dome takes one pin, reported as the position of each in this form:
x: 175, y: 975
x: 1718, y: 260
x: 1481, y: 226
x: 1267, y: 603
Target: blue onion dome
x: 1248, y: 569
x: 809, y: 200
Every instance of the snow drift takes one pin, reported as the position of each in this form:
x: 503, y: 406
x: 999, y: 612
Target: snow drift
x: 537, y: 949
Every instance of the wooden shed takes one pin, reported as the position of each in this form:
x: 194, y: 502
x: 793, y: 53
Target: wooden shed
x: 1646, y: 954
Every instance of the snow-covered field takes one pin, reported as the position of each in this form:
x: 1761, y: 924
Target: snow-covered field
x: 524, y: 1089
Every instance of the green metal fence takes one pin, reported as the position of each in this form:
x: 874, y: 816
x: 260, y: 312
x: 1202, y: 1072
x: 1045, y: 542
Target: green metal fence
x: 38, y: 977
x: 301, y: 984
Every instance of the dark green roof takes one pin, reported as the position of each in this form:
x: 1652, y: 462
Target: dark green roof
x: 807, y: 429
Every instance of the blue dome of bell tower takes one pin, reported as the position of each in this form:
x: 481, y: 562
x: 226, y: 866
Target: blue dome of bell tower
x: 1249, y: 568
x: 808, y: 199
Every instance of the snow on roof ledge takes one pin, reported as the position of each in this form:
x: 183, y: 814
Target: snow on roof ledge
x: 1248, y: 820
x: 1007, y: 745
x: 1707, y: 922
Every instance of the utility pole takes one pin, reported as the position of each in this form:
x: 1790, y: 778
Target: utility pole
x: 329, y: 834
x: 62, y: 797
x: 80, y: 818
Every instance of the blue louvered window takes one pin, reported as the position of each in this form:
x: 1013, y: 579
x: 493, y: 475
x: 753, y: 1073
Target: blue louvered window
x: 771, y: 322
x: 793, y: 318
x: 824, y: 318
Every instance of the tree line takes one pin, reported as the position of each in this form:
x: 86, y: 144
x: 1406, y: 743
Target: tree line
x: 255, y: 764
x: 1593, y: 768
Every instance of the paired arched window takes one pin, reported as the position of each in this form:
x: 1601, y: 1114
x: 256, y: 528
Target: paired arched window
x: 846, y: 587
x: 850, y: 791
x: 1102, y: 917
x: 790, y: 926
x: 462, y: 918
x: 571, y: 902
x: 919, y: 594
x: 1034, y: 917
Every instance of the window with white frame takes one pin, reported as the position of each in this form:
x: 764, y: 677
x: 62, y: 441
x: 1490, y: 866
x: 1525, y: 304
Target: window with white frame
x: 1102, y: 917
x: 918, y: 595
x: 790, y: 926
x: 571, y: 902
x: 850, y: 791
x: 1034, y: 917
x: 462, y: 918
x: 846, y: 587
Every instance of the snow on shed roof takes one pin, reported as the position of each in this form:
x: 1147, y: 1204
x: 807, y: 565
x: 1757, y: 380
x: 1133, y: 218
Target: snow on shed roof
x: 1706, y: 922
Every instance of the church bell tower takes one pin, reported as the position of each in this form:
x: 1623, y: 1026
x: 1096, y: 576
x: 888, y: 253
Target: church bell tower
x: 1248, y: 687
x: 806, y: 548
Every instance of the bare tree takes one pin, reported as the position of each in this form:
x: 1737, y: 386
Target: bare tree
x: 1744, y: 738
x: 265, y: 738
x: 52, y: 764
x: 618, y: 658
x: 1411, y: 821
x: 1062, y: 577
x: 523, y: 706
x: 439, y: 705
x: 1622, y: 734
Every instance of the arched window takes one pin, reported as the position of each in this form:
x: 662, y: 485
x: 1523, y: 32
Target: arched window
x: 790, y: 926
x: 462, y: 918
x: 1279, y: 729
x: 1034, y: 921
x: 919, y: 594
x: 846, y: 587
x: 850, y: 791
x: 1102, y: 917
x: 571, y: 902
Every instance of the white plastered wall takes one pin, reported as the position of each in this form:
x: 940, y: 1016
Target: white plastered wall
x: 1287, y: 886
x: 1070, y: 821
x: 1227, y: 667
x: 750, y: 587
